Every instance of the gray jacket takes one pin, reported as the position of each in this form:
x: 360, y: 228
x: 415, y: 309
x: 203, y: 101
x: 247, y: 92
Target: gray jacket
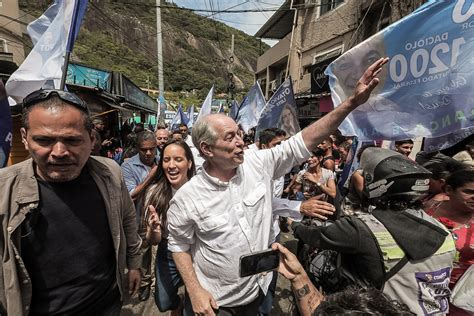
x: 19, y: 195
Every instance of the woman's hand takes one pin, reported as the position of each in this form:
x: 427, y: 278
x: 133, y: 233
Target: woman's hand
x: 153, y: 220
x: 310, y: 177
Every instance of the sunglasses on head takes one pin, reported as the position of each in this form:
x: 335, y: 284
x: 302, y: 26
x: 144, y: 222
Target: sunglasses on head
x: 42, y: 95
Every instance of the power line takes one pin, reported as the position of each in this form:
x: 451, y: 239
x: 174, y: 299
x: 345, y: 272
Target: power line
x: 17, y: 19
x: 205, y: 10
x: 201, y: 18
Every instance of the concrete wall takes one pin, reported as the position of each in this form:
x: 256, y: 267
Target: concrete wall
x: 275, y: 54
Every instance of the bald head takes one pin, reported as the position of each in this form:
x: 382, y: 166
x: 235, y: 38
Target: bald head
x: 162, y: 136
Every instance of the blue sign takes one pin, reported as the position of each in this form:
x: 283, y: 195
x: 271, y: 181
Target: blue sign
x: 5, y: 127
x: 427, y: 87
x: 86, y: 76
x: 280, y: 111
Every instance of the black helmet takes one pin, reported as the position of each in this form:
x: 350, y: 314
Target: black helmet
x: 390, y: 175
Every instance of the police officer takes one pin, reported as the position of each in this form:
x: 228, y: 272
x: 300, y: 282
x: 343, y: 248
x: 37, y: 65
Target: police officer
x: 397, y: 248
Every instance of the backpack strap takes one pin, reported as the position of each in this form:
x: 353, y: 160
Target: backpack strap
x: 400, y: 264
x: 393, y: 259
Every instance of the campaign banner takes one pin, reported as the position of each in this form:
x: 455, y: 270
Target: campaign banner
x: 446, y: 141
x: 280, y: 111
x: 250, y: 108
x: 6, y: 136
x: 426, y: 89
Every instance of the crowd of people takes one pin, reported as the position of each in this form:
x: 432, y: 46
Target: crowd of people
x: 175, y: 210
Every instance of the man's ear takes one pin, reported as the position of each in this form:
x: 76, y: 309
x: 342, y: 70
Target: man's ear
x: 23, y: 138
x: 206, y: 149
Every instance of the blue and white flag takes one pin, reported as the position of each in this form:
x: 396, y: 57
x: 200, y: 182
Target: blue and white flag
x: 53, y: 34
x: 221, y: 108
x: 426, y: 89
x: 234, y: 109
x: 280, y: 111
x: 251, y: 108
x: 206, y: 105
x: 182, y: 116
x: 178, y: 118
x: 190, y: 114
x: 5, y: 127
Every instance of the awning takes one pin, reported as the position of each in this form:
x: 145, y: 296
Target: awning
x: 324, y: 100
x: 279, y: 24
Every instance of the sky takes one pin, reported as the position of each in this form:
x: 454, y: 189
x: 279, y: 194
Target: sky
x: 248, y: 22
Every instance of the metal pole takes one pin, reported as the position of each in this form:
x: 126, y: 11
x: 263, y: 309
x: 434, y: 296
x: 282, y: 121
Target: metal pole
x: 291, y: 40
x: 63, y: 77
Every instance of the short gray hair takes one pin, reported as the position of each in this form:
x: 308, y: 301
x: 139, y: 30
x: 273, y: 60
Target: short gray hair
x: 144, y: 136
x: 203, y: 132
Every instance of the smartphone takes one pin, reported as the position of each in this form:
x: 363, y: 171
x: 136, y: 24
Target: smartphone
x: 258, y: 262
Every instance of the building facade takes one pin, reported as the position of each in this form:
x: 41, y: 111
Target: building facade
x: 313, y: 33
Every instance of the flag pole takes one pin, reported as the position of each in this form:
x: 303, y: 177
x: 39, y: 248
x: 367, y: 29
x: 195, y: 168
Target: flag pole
x: 70, y: 43
x: 64, y: 74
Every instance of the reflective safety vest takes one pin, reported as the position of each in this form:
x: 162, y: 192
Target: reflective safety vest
x: 422, y: 285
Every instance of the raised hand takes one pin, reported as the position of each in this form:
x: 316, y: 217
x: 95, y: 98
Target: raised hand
x: 153, y: 220
x: 368, y: 82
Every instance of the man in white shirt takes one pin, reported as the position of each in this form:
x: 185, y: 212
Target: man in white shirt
x: 230, y: 212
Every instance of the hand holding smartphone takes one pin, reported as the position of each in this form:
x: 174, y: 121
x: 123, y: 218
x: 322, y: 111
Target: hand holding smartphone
x: 259, y: 262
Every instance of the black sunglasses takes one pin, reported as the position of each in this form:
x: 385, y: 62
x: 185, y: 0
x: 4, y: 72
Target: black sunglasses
x: 42, y: 95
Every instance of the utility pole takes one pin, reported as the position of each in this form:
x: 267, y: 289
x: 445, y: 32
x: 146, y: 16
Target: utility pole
x: 159, y: 48
x: 291, y: 40
x: 230, y: 72
x: 160, y: 111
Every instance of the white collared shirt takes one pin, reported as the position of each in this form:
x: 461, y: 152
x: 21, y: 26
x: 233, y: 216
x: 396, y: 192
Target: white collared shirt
x: 218, y: 222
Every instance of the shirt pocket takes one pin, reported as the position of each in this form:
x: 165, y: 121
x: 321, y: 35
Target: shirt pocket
x: 253, y: 203
x: 214, y: 223
x: 216, y: 231
x: 255, y: 196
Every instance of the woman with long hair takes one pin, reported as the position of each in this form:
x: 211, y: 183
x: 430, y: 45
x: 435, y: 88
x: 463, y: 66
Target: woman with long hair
x: 456, y: 214
x: 316, y: 181
x: 175, y: 168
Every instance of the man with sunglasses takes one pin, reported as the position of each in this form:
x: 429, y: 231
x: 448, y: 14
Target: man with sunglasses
x: 68, y: 222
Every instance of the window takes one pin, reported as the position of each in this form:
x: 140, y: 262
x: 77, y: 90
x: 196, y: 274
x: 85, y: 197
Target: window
x: 3, y: 46
x: 328, y: 5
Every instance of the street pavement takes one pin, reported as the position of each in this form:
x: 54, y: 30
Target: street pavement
x: 282, y: 303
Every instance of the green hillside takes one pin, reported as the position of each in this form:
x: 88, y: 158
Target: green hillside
x: 121, y: 36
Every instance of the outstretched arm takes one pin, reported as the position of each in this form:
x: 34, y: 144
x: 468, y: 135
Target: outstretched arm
x: 322, y: 128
